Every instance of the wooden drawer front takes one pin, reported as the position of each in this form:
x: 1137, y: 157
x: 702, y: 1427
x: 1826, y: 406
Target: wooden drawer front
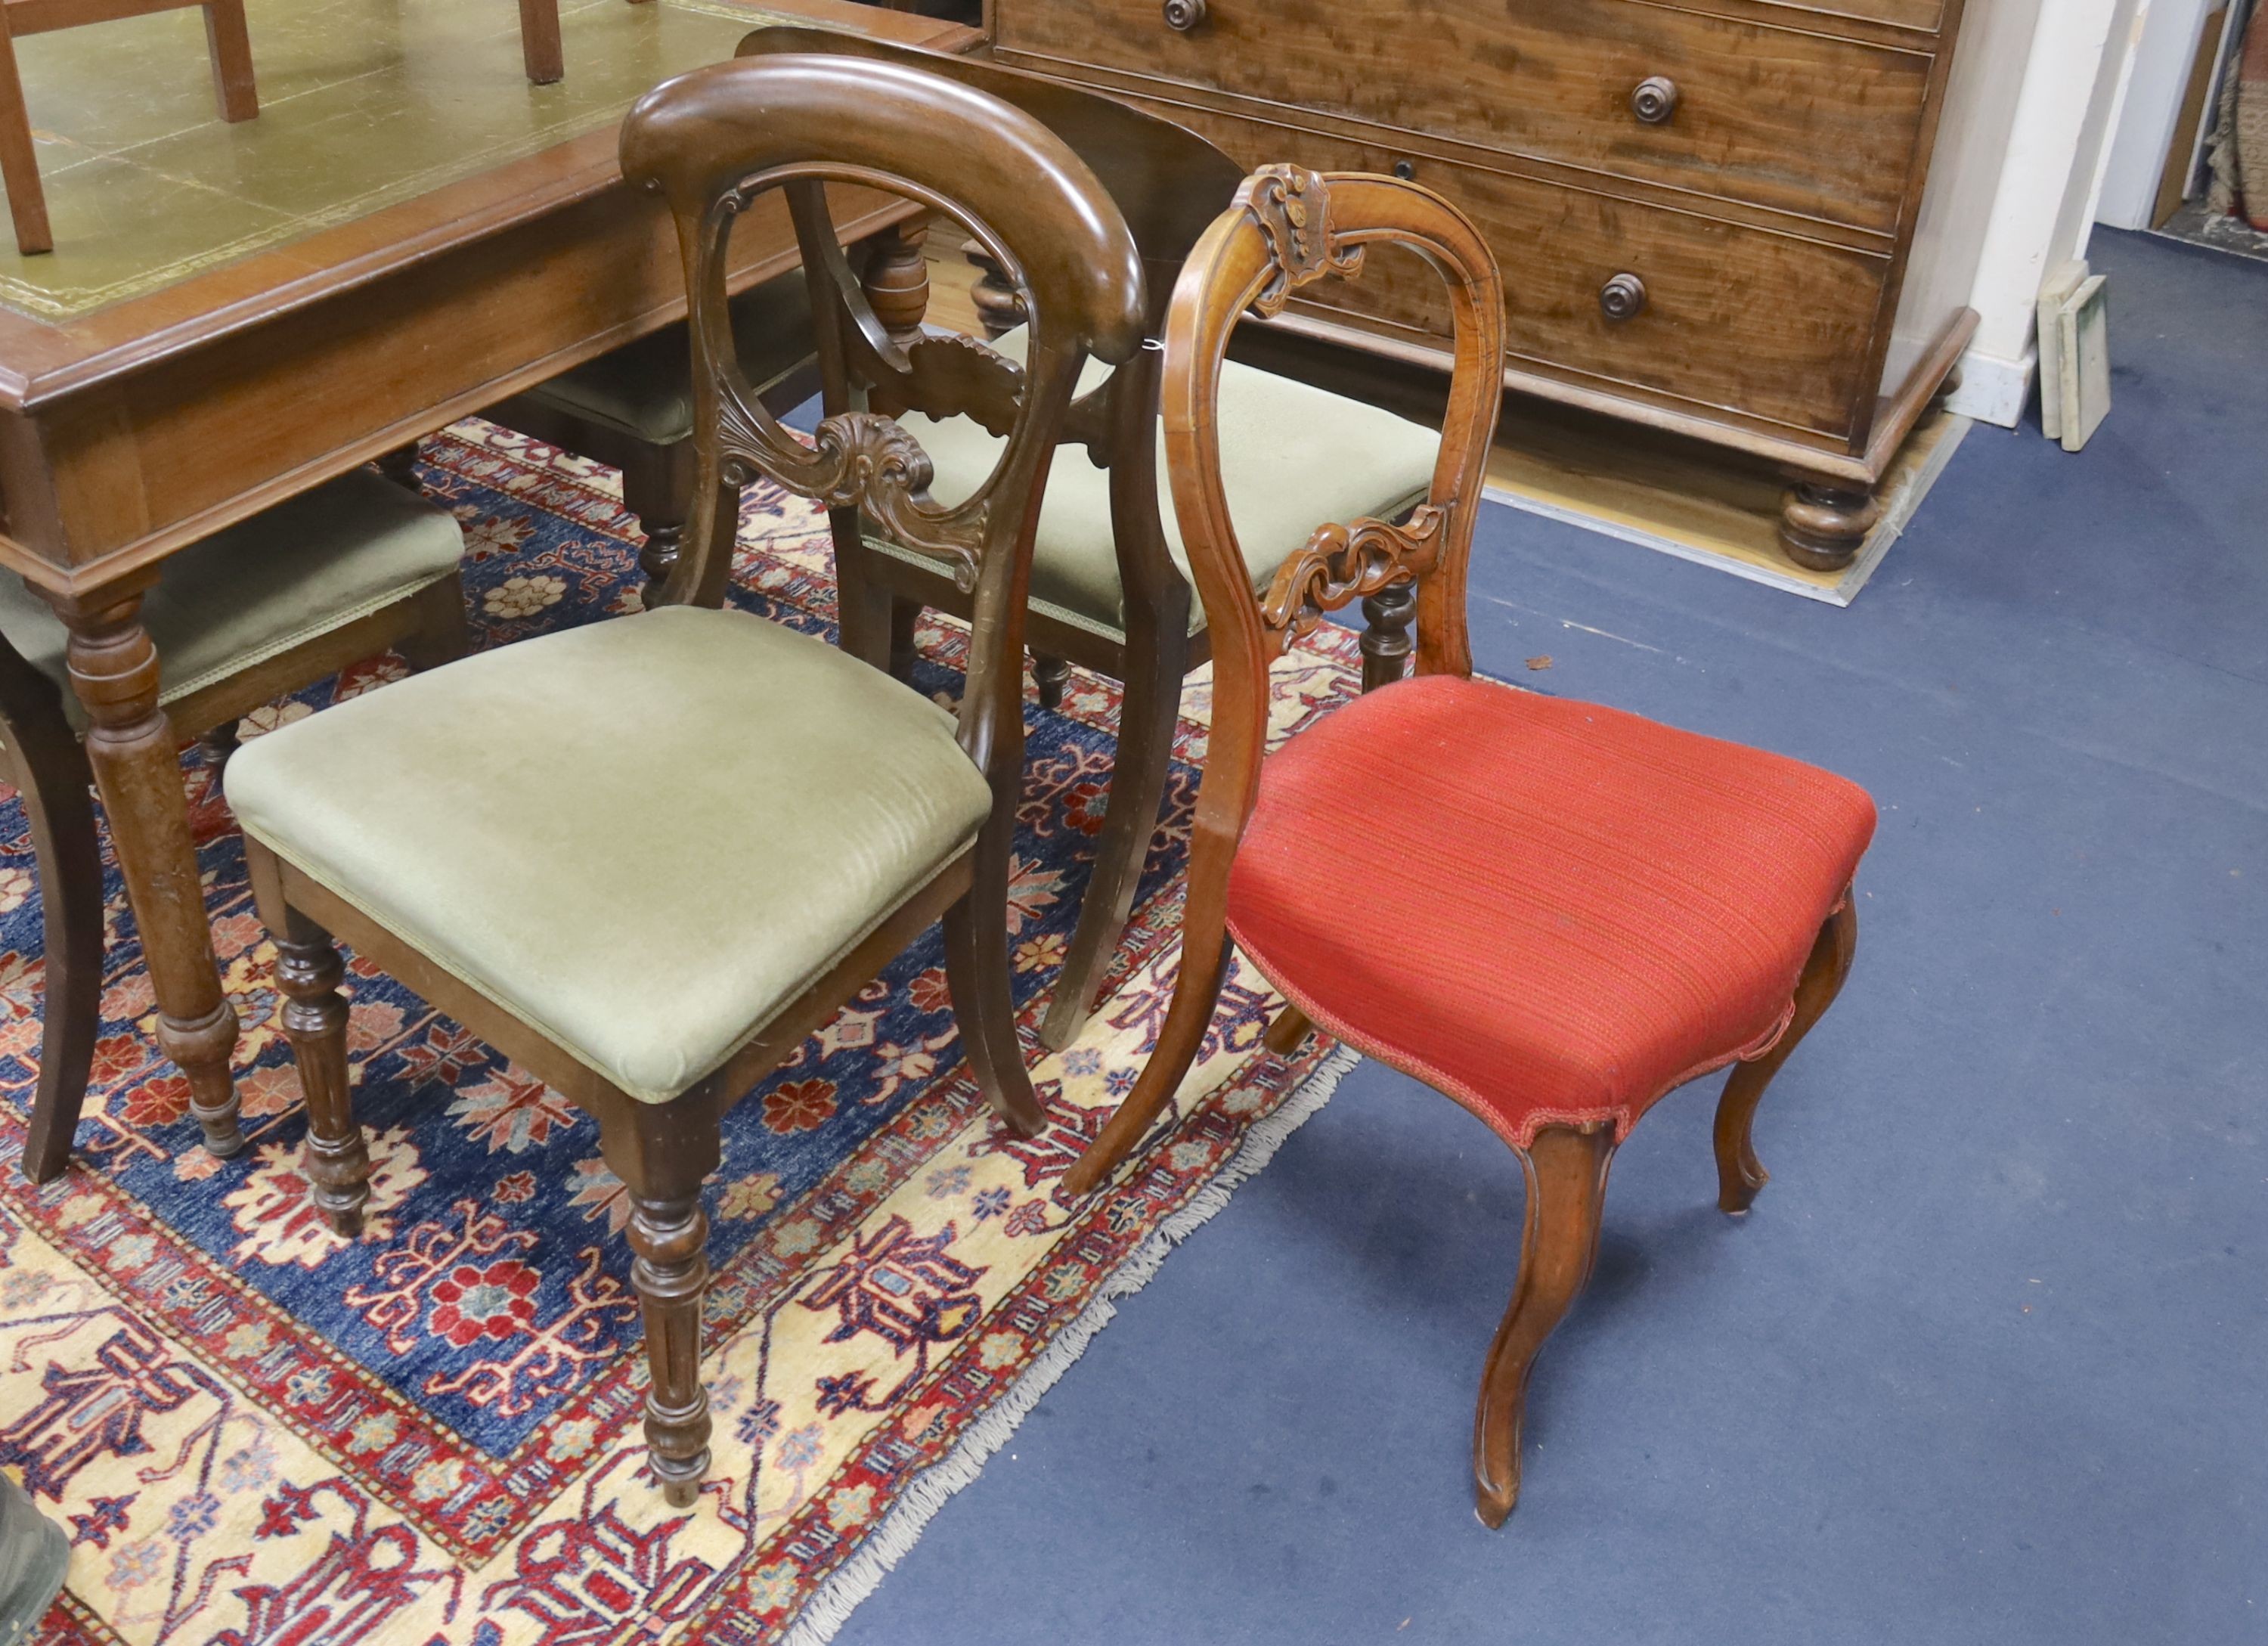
x: 1776, y: 117
x: 1736, y: 318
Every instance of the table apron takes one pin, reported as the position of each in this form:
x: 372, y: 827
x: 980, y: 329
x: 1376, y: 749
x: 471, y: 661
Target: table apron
x: 101, y: 485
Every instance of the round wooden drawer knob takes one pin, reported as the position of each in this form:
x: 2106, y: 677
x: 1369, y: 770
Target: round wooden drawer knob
x: 1183, y: 16
x: 1654, y: 98
x: 1622, y: 298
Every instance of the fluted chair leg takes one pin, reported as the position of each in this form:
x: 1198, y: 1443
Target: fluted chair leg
x: 1566, y: 1171
x: 308, y: 971
x: 1739, y: 1173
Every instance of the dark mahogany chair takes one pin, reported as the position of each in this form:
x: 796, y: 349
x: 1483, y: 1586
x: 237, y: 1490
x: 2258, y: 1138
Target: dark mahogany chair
x: 265, y: 608
x: 1108, y: 592
x: 1553, y: 913
x: 802, y: 817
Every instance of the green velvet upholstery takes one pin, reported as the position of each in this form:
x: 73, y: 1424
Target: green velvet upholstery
x: 645, y: 388
x: 1292, y: 458
x: 642, y: 837
x: 308, y: 565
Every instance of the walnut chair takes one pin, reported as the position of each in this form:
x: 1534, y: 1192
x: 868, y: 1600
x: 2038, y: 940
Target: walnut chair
x: 801, y: 816
x: 1551, y: 912
x: 262, y: 609
x: 1109, y: 581
x: 233, y: 89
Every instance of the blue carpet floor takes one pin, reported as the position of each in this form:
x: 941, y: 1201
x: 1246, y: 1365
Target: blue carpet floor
x: 1989, y: 1361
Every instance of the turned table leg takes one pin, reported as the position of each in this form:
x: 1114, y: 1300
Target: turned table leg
x: 1000, y: 306
x: 113, y: 668
x: 897, y: 282
x: 1823, y: 525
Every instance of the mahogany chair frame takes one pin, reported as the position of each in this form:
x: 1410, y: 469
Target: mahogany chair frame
x: 47, y: 764
x: 1170, y: 184
x: 226, y: 41
x: 710, y: 142
x: 1288, y: 229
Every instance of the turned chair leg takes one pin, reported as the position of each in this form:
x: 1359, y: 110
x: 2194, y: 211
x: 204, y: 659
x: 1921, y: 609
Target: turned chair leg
x: 984, y: 1003
x: 661, y: 1152
x: 308, y: 972
x: 670, y: 1236
x: 1566, y: 1170
x: 216, y: 745
x: 1385, y: 639
x: 658, y: 488
x: 1048, y: 674
x: 1739, y: 1173
x: 904, y: 613
x: 438, y: 635
x: 399, y: 465
x: 53, y: 778
x: 1148, y: 714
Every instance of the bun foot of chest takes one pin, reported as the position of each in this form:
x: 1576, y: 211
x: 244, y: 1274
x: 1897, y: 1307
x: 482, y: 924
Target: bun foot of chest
x: 1822, y: 528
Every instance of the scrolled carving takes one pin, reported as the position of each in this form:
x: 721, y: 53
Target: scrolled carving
x: 858, y: 460
x: 1293, y: 207
x: 1344, y: 563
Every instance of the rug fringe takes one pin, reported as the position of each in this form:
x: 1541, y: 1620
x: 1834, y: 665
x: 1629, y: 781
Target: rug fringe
x: 831, y: 1605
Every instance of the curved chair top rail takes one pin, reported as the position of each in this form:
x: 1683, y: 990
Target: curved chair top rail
x: 712, y: 140
x: 1289, y: 228
x: 1167, y: 182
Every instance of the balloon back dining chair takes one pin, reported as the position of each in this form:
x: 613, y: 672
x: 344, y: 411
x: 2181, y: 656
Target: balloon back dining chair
x: 801, y: 817
x: 1551, y: 912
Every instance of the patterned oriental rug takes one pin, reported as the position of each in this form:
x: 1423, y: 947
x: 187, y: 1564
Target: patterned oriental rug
x: 259, y: 1432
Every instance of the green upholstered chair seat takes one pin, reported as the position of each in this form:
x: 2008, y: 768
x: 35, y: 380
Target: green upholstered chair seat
x: 642, y: 837
x: 1292, y: 456
x: 645, y: 388
x: 306, y: 566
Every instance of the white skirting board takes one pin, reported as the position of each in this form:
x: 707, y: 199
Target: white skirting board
x: 1993, y: 389
x: 1898, y: 505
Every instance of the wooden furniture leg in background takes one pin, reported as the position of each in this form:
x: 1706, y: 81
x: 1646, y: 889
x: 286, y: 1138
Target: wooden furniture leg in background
x: 229, y: 43
x: 19, y: 156
x: 539, y: 41
x: 896, y: 281
x: 113, y: 668
x: 998, y: 301
x: 1822, y: 526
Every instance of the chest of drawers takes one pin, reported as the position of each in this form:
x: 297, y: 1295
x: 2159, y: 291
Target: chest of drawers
x: 1712, y: 218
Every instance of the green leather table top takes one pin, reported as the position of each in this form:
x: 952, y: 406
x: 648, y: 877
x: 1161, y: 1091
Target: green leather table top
x: 363, y: 104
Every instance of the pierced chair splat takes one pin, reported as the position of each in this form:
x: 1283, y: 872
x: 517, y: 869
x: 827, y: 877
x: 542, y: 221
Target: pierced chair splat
x: 1584, y: 909
x: 493, y: 883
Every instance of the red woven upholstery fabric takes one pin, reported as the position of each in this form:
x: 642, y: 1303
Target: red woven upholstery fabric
x: 1552, y: 911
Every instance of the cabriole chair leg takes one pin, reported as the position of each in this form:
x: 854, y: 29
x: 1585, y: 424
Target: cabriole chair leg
x: 1566, y: 1171
x: 1739, y: 1173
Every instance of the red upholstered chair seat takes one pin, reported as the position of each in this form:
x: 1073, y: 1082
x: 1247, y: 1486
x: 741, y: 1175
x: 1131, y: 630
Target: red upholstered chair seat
x: 1553, y: 912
